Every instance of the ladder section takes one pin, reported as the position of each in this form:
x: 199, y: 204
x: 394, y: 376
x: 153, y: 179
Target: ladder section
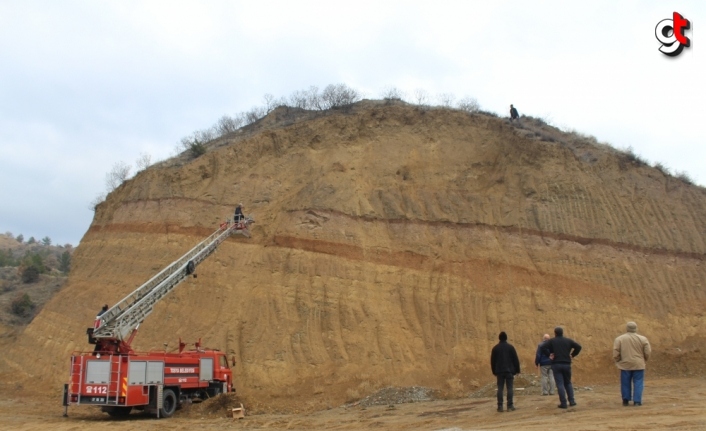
x: 76, y: 370
x: 115, y: 380
x: 120, y: 320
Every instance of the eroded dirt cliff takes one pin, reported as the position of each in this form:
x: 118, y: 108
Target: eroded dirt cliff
x: 392, y: 244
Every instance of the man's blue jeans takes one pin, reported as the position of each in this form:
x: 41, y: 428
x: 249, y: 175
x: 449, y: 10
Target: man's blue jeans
x: 632, y: 382
x: 562, y: 377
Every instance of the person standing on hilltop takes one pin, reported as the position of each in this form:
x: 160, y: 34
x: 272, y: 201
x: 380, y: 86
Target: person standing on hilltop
x: 542, y: 361
x: 513, y: 113
x: 561, y: 350
x: 505, y: 365
x: 630, y: 353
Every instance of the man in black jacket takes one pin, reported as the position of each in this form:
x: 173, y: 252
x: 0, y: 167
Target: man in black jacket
x: 514, y: 115
x: 561, y: 350
x: 505, y: 364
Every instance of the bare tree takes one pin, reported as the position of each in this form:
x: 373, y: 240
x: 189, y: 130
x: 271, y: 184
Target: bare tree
x: 185, y: 143
x: 143, y: 162
x: 206, y: 135
x: 228, y: 124
x: 468, y: 104
x: 254, y: 114
x: 96, y: 201
x: 117, y: 175
x: 313, y: 98
x: 299, y: 99
x: 338, y: 95
x: 270, y: 102
x: 421, y: 96
x: 446, y: 99
x: 328, y: 97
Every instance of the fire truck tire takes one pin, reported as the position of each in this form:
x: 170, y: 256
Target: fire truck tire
x: 119, y: 412
x: 169, y: 404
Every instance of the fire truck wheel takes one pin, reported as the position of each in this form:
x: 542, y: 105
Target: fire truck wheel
x: 169, y: 404
x: 119, y: 412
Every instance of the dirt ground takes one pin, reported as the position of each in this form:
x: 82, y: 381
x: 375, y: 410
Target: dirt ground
x: 675, y: 404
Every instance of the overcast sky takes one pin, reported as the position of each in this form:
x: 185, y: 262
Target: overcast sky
x: 87, y: 84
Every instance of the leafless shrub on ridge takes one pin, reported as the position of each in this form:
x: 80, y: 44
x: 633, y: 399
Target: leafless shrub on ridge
x: 117, y: 175
x: 271, y: 102
x: 634, y: 157
x: 228, y: 124
x: 313, y: 98
x: 254, y: 114
x: 421, y: 96
x: 578, y: 136
x: 446, y: 99
x: 206, y: 135
x: 663, y: 169
x: 684, y: 177
x: 96, y: 201
x: 338, y: 95
x: 392, y: 93
x: 468, y: 104
x: 299, y: 99
x: 143, y: 162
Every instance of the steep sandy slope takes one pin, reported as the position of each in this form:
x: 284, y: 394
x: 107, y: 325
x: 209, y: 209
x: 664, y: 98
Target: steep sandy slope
x: 392, y: 245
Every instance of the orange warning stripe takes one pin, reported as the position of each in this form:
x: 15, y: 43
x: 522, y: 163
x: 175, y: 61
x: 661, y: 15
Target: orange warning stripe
x: 123, y: 387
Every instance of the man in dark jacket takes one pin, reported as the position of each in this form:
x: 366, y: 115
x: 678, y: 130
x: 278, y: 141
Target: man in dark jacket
x: 542, y: 361
x: 505, y: 364
x: 514, y: 115
x: 561, y: 350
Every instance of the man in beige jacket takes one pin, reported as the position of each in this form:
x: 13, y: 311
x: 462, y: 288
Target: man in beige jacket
x: 630, y: 353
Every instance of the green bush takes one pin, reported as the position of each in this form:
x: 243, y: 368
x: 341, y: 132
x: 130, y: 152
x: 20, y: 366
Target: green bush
x: 197, y: 149
x: 65, y: 262
x: 7, y: 259
x: 30, y: 274
x: 31, y: 266
x: 22, y: 305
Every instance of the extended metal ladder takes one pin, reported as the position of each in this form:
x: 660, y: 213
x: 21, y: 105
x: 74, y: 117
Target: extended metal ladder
x: 125, y: 316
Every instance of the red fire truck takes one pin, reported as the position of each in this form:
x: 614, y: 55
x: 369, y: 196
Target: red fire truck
x: 118, y: 379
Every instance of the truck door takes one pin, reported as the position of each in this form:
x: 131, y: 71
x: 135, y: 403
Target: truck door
x: 155, y: 373
x: 146, y: 373
x: 206, y: 369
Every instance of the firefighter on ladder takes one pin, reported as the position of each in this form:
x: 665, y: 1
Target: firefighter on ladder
x: 97, y: 322
x: 239, y: 216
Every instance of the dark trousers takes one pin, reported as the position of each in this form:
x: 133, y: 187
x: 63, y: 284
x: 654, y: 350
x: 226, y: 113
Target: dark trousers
x: 562, y: 377
x: 505, y: 379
